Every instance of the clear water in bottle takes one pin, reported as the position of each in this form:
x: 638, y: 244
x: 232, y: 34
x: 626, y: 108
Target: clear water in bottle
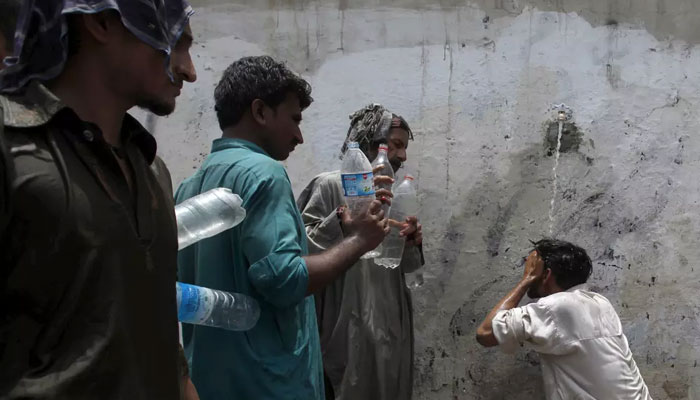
x: 358, y: 183
x: 206, y: 215
x: 216, y: 308
x: 404, y: 205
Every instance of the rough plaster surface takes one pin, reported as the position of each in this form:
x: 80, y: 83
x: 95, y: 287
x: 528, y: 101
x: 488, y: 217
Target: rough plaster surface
x: 476, y: 80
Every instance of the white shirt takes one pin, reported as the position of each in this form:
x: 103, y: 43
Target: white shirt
x: 585, y: 355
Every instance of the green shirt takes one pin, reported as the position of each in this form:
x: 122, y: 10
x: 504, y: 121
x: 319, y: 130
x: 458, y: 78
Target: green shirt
x: 262, y: 257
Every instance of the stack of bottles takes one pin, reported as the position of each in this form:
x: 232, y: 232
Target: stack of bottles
x: 358, y: 186
x: 199, y: 218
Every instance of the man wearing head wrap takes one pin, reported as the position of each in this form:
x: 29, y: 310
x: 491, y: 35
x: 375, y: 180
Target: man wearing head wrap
x: 365, y: 316
x: 88, y: 239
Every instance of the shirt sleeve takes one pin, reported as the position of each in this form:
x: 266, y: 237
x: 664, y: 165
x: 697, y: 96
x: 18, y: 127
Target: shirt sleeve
x: 272, y: 243
x: 319, y: 213
x: 533, y: 325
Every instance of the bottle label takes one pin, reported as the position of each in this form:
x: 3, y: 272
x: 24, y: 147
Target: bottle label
x: 356, y: 185
x: 196, y: 304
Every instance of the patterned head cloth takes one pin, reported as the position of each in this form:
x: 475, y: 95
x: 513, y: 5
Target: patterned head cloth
x: 371, y: 125
x: 41, y: 38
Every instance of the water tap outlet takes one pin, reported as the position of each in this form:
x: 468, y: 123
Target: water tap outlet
x: 563, y: 112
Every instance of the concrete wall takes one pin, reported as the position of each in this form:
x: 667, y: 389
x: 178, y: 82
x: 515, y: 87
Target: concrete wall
x: 476, y: 80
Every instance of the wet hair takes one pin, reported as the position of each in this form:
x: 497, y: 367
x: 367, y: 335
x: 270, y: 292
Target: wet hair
x: 367, y: 128
x: 253, y: 78
x: 569, y: 263
x: 9, y: 11
x: 404, y: 125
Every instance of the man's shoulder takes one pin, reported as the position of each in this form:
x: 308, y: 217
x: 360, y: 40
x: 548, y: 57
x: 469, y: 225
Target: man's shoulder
x: 322, y: 182
x: 573, y: 302
x: 325, y: 179
x: 243, y: 172
x: 243, y: 162
x: 559, y: 300
x: 330, y: 176
x: 32, y: 107
x: 17, y: 112
x: 266, y: 167
x: 316, y: 193
x: 583, y: 314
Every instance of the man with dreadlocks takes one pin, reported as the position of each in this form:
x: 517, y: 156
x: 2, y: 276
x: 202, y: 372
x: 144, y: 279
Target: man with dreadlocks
x: 584, y: 353
x: 88, y: 237
x: 365, y: 317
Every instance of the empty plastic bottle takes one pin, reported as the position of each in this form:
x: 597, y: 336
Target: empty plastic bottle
x: 216, y: 308
x: 358, y: 183
x: 206, y: 215
x: 387, y: 170
x: 404, y: 204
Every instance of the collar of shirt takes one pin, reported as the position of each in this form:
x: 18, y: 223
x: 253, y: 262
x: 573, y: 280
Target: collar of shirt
x: 38, y: 106
x: 232, y: 143
x: 583, y: 286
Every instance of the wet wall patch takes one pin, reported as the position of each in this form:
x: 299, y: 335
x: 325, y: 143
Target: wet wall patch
x: 571, y: 137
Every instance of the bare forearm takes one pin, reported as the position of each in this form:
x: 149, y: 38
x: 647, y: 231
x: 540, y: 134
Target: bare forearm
x: 325, y: 267
x: 484, y: 334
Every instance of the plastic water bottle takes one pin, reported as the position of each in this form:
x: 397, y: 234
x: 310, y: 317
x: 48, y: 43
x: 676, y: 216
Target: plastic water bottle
x: 206, y: 215
x: 358, y: 179
x: 202, y: 306
x: 404, y: 204
x: 387, y: 170
x: 358, y: 183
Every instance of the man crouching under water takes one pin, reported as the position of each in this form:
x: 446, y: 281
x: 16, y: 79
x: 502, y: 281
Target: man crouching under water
x: 584, y: 353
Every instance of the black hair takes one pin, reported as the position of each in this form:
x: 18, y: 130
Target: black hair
x: 369, y: 119
x: 253, y: 78
x: 9, y: 11
x: 404, y: 125
x: 569, y: 263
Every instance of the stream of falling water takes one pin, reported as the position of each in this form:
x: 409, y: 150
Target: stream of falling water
x: 554, y: 183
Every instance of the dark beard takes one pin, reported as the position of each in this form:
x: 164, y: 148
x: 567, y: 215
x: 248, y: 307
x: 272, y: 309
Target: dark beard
x: 159, y: 108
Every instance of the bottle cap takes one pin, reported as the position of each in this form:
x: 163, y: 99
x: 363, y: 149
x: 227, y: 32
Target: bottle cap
x: 353, y: 145
x: 409, y: 177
